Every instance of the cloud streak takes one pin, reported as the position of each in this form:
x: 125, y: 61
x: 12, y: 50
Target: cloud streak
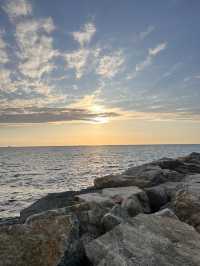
x: 147, y: 32
x: 152, y: 52
x: 33, y: 115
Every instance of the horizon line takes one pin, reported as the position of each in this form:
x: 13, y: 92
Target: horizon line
x: 96, y: 145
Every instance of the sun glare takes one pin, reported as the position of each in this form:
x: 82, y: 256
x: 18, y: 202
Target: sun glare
x: 101, y: 120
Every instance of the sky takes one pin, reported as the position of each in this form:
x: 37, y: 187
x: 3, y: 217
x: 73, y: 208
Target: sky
x: 89, y: 72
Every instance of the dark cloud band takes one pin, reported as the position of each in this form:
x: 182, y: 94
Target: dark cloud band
x: 45, y: 115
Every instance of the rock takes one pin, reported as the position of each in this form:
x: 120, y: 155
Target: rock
x: 110, y: 181
x: 9, y: 221
x: 166, y: 213
x: 193, y: 157
x: 110, y: 206
x: 136, y: 204
x: 146, y: 175
x: 157, y: 197
x: 43, y: 240
x: 109, y: 221
x: 117, y: 210
x: 154, y: 173
x: 97, y: 198
x: 95, y: 216
x: 147, y: 240
x: 109, y: 196
x: 53, y: 201
x: 187, y: 202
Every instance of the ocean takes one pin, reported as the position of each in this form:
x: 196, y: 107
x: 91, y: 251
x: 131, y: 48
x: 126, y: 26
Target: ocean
x: 27, y: 174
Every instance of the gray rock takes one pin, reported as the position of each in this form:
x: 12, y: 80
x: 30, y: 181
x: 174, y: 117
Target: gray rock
x: 166, y: 213
x: 147, y: 240
x: 157, y: 197
x: 52, y: 201
x: 146, y: 175
x: 135, y: 204
x: 154, y: 173
x: 44, y: 239
x: 117, y: 210
x: 109, y: 221
x: 187, y: 202
x: 110, y: 196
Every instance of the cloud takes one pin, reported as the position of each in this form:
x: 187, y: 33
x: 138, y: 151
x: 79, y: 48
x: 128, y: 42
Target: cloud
x: 110, y: 65
x: 35, y: 47
x: 173, y: 70
x: 166, y: 116
x: 4, y: 58
x: 85, y: 35
x: 157, y: 49
x: 17, y: 8
x: 4, y: 78
x: 77, y: 60
x: 46, y: 115
x: 152, y: 52
x: 139, y: 67
x: 147, y: 32
x: 33, y: 51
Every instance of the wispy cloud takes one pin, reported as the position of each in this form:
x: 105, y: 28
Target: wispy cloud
x: 110, y: 65
x: 152, y: 52
x: 34, y: 52
x: 147, y: 32
x: 35, y: 47
x: 142, y: 65
x: 157, y: 49
x: 86, y: 59
x: 85, y: 35
x: 4, y: 58
x: 17, y: 8
x: 172, y: 70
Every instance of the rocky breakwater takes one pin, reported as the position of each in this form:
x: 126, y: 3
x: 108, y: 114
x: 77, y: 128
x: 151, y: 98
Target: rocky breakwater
x: 147, y: 215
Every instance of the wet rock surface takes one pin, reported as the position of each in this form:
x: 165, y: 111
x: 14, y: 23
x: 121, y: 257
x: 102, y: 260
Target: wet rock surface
x: 148, y: 215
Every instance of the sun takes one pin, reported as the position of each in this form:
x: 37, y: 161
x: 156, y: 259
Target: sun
x: 96, y: 108
x: 99, y: 110
x: 101, y: 120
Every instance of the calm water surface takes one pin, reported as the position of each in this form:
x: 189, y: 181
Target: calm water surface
x: 26, y: 174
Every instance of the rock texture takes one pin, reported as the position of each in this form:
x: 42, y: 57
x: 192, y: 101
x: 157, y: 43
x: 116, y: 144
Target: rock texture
x: 41, y: 241
x: 187, y: 202
x: 147, y: 240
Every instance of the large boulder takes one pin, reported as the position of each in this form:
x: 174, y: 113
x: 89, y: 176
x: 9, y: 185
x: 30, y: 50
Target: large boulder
x: 154, y: 173
x: 110, y: 196
x: 110, y: 206
x: 44, y: 240
x: 187, y: 201
x: 147, y: 240
x: 53, y: 201
x: 146, y: 175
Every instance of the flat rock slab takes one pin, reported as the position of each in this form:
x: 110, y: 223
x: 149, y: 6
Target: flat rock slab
x: 124, y: 192
x: 110, y: 195
x: 147, y: 240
